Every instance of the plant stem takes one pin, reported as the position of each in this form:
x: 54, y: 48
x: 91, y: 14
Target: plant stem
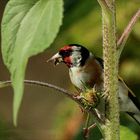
x: 122, y: 41
x: 110, y: 55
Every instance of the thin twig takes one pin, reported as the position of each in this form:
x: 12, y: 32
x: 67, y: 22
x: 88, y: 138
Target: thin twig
x: 121, y: 42
x: 61, y: 90
x: 86, y: 130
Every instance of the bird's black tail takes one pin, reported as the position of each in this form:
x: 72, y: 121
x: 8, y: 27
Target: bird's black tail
x: 136, y: 117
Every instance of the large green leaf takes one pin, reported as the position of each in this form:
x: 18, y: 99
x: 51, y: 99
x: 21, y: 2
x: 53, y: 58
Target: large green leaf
x: 28, y: 28
x: 126, y: 133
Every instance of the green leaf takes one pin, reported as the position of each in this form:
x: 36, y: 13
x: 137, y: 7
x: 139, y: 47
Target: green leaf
x: 126, y: 133
x: 28, y: 28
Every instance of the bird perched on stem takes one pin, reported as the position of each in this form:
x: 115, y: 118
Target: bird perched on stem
x: 86, y: 71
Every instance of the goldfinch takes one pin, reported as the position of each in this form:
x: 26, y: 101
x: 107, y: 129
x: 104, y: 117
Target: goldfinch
x: 87, y: 69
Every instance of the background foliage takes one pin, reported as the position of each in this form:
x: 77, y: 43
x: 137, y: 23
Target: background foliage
x: 44, y: 114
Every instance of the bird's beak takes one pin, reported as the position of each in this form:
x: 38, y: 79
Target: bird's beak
x: 56, y: 59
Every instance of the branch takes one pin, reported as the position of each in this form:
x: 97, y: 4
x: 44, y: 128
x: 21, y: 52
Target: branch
x: 121, y: 42
x: 61, y: 90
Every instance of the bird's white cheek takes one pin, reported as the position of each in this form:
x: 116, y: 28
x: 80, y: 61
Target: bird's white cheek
x: 76, y: 58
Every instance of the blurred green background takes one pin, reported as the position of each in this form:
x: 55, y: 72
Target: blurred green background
x: 46, y: 114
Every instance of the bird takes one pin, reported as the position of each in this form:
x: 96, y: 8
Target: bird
x: 87, y: 70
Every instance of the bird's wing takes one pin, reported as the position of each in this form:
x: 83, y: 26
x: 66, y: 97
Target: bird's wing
x: 120, y: 79
x: 101, y: 61
x: 131, y: 95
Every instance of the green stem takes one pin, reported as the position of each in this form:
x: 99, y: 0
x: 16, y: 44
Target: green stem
x: 87, y: 121
x: 111, y: 128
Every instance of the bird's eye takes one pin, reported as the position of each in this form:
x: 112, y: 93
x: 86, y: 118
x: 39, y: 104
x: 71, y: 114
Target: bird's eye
x: 64, y: 53
x: 67, y: 53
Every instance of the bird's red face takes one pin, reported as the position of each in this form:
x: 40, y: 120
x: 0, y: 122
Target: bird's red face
x: 71, y: 55
x: 66, y: 54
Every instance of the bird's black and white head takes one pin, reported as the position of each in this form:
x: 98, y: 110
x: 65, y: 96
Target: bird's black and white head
x: 73, y: 55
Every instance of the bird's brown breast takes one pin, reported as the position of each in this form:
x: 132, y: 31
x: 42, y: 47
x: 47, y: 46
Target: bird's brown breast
x: 87, y: 75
